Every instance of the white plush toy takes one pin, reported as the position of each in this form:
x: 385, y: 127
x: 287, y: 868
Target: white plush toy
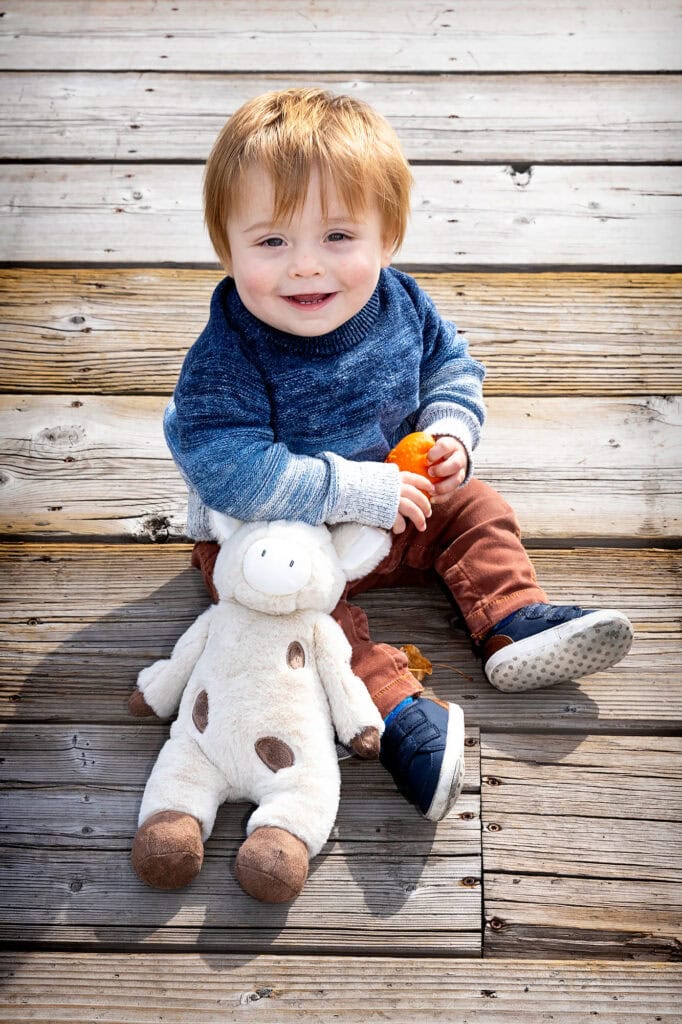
x: 264, y: 677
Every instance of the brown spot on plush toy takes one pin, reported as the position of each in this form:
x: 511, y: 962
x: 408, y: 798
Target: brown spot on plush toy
x: 295, y: 655
x: 276, y: 754
x: 200, y: 711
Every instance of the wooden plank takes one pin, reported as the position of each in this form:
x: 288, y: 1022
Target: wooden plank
x: 552, y: 916
x: 152, y: 116
x: 80, y: 789
x: 493, y: 215
x: 192, y: 988
x: 356, y: 904
x: 581, y: 844
x: 372, y: 815
x: 78, y: 754
x: 94, y: 466
x: 85, y: 331
x: 79, y: 622
x: 299, y: 35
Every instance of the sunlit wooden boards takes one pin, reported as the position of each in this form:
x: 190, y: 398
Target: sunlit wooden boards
x: 204, y: 987
x: 79, y: 621
x: 90, y: 465
x: 100, y: 330
x: 496, y: 215
x: 236, y: 35
x: 153, y: 115
x: 581, y: 845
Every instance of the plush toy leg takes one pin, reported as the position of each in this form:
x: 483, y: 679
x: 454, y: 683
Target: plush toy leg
x: 167, y: 850
x: 272, y: 865
x: 177, y: 813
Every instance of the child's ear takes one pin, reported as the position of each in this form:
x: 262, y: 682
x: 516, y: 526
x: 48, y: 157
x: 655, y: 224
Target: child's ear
x: 387, y: 253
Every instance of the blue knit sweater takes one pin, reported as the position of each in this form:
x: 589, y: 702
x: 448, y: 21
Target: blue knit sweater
x: 268, y: 425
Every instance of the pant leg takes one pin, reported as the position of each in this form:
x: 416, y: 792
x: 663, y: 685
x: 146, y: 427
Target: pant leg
x: 204, y: 554
x: 382, y: 668
x: 473, y: 541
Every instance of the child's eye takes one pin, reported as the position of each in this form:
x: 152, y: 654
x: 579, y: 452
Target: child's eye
x: 272, y: 243
x: 337, y: 236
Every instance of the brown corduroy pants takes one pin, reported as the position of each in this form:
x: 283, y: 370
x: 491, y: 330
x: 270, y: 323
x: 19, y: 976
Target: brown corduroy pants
x: 473, y: 542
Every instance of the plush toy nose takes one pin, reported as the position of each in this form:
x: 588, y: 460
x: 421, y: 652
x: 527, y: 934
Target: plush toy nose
x: 276, y: 567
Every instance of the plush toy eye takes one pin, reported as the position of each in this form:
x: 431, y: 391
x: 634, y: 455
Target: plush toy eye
x: 290, y: 564
x: 262, y: 554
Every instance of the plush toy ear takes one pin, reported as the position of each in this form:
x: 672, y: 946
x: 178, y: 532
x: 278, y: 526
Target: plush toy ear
x: 360, y: 548
x: 222, y: 526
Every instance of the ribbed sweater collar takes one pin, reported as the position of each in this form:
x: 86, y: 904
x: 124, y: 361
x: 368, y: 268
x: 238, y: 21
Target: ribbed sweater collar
x: 343, y: 338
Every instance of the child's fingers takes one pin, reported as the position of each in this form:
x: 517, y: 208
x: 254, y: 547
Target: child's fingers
x: 399, y: 525
x: 448, y: 467
x: 443, y: 447
x: 416, y: 509
x: 416, y: 480
x: 447, y: 487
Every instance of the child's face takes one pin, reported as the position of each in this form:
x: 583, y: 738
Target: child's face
x: 311, y: 275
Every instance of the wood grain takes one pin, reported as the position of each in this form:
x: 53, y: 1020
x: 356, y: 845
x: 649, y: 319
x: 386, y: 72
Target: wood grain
x: 553, y: 916
x: 177, y: 116
x: 192, y: 988
x: 300, y: 35
x: 78, y: 622
x: 490, y: 215
x: 353, y: 903
x: 91, y: 754
x: 98, y: 466
x: 92, y: 331
x: 581, y: 843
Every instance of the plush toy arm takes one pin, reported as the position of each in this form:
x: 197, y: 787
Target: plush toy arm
x: 352, y: 708
x: 162, y: 683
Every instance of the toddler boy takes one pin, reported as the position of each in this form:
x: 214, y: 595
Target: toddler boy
x: 317, y: 358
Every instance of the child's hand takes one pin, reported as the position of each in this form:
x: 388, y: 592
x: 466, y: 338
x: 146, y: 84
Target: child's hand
x: 414, y: 503
x: 448, y: 462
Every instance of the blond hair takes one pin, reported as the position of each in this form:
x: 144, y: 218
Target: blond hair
x: 290, y: 132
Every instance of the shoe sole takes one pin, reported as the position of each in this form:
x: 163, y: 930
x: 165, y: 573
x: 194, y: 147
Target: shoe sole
x: 567, y: 652
x: 451, y: 778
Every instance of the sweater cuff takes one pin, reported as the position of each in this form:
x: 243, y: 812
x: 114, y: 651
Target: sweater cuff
x: 367, y: 492
x: 452, y: 426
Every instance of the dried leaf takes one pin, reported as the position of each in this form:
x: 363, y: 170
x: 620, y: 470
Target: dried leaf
x: 418, y: 665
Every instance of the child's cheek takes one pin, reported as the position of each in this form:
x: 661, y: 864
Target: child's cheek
x: 356, y: 269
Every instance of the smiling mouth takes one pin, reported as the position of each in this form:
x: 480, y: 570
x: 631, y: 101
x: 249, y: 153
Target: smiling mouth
x: 311, y: 301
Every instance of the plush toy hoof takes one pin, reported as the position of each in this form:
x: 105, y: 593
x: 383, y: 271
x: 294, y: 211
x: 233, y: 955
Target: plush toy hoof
x: 367, y: 743
x: 168, y: 850
x: 138, y: 706
x: 272, y: 865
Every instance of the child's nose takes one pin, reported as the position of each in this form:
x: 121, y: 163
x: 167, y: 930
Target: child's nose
x: 305, y: 263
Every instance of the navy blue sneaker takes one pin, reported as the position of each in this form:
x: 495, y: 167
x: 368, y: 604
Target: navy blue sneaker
x: 423, y: 749
x: 544, y: 644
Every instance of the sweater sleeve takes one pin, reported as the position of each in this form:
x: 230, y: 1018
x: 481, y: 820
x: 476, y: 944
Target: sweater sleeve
x: 219, y: 430
x: 450, y: 382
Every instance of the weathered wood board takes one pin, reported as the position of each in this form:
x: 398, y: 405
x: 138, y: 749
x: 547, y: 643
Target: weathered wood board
x: 198, y: 988
x: 384, y: 869
x: 581, y: 845
x: 492, y: 215
x: 177, y: 116
x: 79, y: 622
x: 544, y: 142
x: 301, y: 35
x: 92, y: 331
x: 98, y: 466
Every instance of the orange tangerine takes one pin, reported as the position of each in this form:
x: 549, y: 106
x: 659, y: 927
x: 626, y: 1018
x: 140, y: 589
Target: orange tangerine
x: 410, y: 454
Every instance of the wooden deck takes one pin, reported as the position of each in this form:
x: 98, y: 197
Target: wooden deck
x: 548, y: 223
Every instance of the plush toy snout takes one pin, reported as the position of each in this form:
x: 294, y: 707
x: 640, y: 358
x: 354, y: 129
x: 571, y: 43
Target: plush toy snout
x: 275, y: 566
